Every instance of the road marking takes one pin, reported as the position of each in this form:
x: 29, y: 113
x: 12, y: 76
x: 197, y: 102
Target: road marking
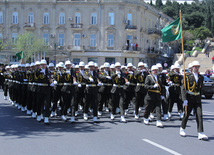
x: 209, y: 112
x: 161, y: 147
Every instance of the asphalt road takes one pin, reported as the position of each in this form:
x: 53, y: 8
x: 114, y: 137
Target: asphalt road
x: 20, y: 135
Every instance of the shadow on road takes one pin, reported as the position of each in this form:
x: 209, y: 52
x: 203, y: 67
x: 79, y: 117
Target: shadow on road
x: 17, y: 123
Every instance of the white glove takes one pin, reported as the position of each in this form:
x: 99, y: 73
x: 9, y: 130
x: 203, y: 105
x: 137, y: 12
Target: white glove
x: 25, y: 80
x: 170, y: 82
x: 99, y: 84
x: 127, y: 83
x: 55, y: 82
x: 91, y: 80
x: 68, y: 72
x: 108, y: 77
x: 185, y: 103
x: 162, y: 97
x: 118, y: 75
x: 52, y: 84
x: 75, y: 83
x: 156, y: 85
x: 1, y: 73
x: 79, y: 85
x: 130, y: 72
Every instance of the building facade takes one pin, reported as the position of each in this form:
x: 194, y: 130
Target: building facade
x: 179, y: 1
x: 87, y: 30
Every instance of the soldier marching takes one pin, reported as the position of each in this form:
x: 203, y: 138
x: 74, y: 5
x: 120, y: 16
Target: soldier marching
x: 45, y: 91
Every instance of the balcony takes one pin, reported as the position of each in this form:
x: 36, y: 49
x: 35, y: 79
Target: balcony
x: 74, y: 48
x: 77, y: 26
x: 29, y: 26
x: 129, y: 49
x: 131, y: 27
x: 154, y: 31
x: 152, y: 52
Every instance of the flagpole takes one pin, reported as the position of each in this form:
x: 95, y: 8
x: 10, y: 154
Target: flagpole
x: 182, y: 43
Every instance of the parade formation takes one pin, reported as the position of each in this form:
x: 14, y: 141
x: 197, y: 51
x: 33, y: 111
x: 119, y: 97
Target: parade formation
x: 66, y: 89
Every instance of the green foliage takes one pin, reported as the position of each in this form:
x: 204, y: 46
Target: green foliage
x: 188, y: 44
x: 201, y: 33
x: 168, y: 3
x: 194, y: 20
x: 151, y: 3
x: 29, y: 44
x: 159, y: 4
x: 195, y: 15
x: 198, y: 49
x: 169, y: 10
x: 189, y: 52
x: 3, y: 45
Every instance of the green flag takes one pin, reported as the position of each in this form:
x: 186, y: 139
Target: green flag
x: 172, y: 31
x: 19, y: 55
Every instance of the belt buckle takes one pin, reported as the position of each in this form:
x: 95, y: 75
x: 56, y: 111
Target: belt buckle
x: 118, y: 86
x: 93, y: 85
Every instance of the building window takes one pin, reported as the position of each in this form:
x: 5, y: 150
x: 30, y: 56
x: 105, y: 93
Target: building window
x: 61, y: 39
x: 62, y: 18
x: 30, y: 17
x: 111, y: 18
x: 94, y: 18
x: 93, y: 39
x: 110, y: 60
x: 15, y: 18
x: 110, y: 40
x: 13, y: 58
x: 2, y: 57
x: 129, y: 18
x: 94, y: 59
x: 14, y: 38
x: 77, y: 18
x: 128, y: 60
x: 46, y: 38
x: 76, y: 61
x: 77, y: 39
x: 46, y: 18
x: 1, y: 17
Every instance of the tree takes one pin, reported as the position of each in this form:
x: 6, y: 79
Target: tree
x: 169, y: 10
x: 208, y: 18
x: 176, y: 7
x: 195, y: 19
x: 159, y: 4
x: 3, y: 44
x: 168, y: 3
x: 197, y: 14
x: 188, y: 42
x: 29, y: 44
x: 151, y: 3
x: 201, y: 33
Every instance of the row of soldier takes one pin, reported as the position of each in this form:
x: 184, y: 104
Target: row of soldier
x: 41, y: 90
x: 69, y: 83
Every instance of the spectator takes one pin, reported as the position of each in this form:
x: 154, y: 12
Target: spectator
x: 136, y: 46
x: 127, y: 46
x: 131, y: 46
x: 207, y: 73
x: 213, y: 59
